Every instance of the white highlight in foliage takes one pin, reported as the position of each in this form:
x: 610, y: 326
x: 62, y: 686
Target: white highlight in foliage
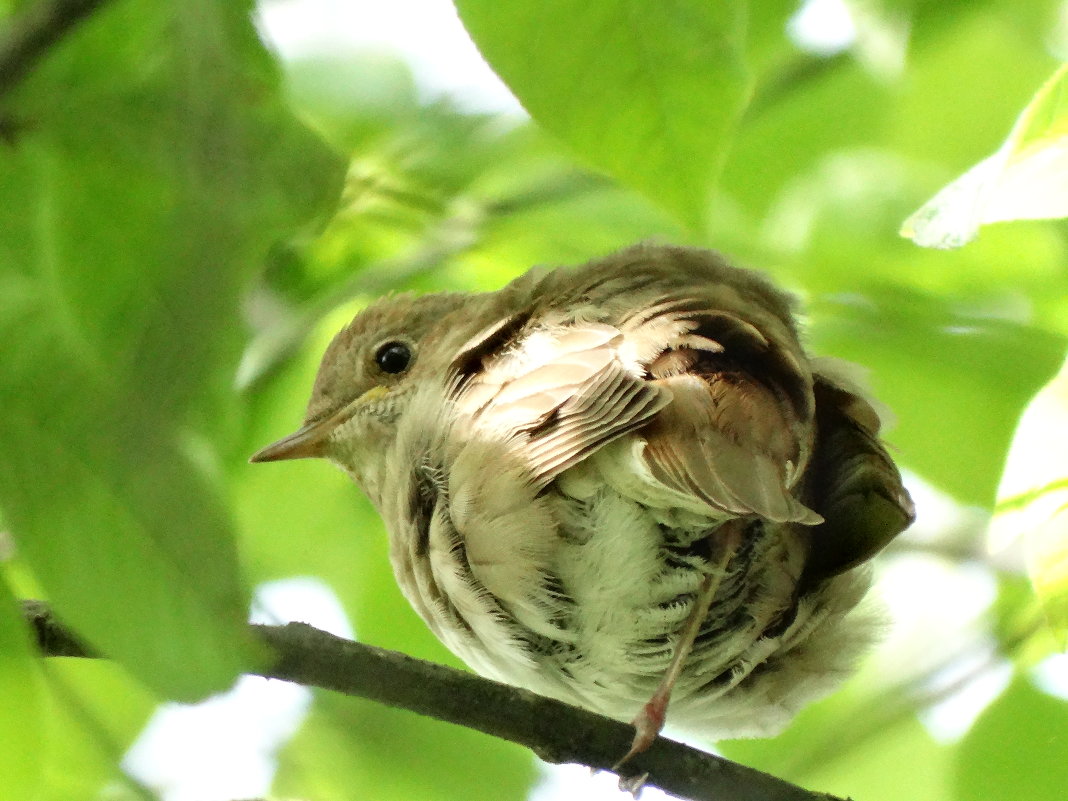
x: 980, y: 683
x: 1026, y: 179
x: 823, y: 27
x: 428, y: 34
x: 224, y: 748
x: 578, y: 783
x: 1051, y: 675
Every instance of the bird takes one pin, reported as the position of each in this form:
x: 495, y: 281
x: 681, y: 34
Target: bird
x: 625, y: 485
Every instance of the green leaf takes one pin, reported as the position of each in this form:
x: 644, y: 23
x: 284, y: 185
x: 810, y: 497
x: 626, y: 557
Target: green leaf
x: 350, y: 749
x: 648, y: 92
x: 956, y: 380
x: 1026, y: 179
x: 94, y: 712
x: 159, y: 168
x: 835, y: 747
x: 21, y: 704
x: 874, y: 769
x: 1048, y: 566
x: 954, y: 98
x: 1015, y: 750
x: 1033, y: 499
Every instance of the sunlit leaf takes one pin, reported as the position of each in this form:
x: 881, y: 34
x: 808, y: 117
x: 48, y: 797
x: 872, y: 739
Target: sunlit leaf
x: 648, y: 92
x: 21, y: 704
x: 1026, y: 179
x: 957, y: 381
x: 349, y: 750
x: 1015, y: 751
x: 159, y: 168
x: 94, y: 712
x: 832, y: 748
x: 1033, y: 499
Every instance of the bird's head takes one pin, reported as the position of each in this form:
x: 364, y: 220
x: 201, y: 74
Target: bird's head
x: 367, y: 379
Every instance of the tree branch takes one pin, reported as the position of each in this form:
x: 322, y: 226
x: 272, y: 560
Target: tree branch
x: 555, y: 731
x: 29, y: 34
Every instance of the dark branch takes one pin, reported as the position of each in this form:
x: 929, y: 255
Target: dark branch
x: 29, y: 34
x: 555, y: 731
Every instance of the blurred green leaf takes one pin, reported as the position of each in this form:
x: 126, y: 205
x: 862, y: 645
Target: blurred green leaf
x: 159, y: 167
x: 349, y: 750
x: 768, y: 48
x: 886, y: 768
x: 1048, y: 566
x: 1015, y: 751
x: 834, y: 229
x: 797, y: 117
x: 951, y: 103
x: 21, y: 703
x: 832, y: 747
x: 650, y: 93
x: 1017, y: 621
x: 1033, y: 499
x: 94, y: 712
x: 957, y: 381
x: 1024, y: 180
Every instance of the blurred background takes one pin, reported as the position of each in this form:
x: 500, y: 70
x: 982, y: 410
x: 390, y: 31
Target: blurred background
x: 861, y: 111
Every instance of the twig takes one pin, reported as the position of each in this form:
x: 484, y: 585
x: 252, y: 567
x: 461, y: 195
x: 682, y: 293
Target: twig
x: 31, y: 32
x: 555, y: 731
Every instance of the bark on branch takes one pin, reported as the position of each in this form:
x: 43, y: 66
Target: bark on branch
x: 555, y: 731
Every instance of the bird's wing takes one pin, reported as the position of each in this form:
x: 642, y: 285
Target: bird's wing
x: 553, y: 395
x: 852, y: 481
x: 523, y: 406
x: 725, y: 408
x: 738, y: 432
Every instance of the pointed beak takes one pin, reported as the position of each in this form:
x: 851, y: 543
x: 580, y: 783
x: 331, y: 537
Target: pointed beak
x: 310, y: 441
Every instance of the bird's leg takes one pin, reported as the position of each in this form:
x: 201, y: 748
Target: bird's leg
x: 648, y: 723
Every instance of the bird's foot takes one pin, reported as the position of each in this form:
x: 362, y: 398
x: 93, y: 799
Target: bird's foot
x: 647, y: 725
x: 633, y: 784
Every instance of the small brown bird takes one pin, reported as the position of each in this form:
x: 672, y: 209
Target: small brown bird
x: 618, y: 484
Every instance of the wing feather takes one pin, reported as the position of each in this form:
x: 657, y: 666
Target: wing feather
x: 555, y: 398
x: 853, y: 482
x: 724, y: 402
x: 726, y: 448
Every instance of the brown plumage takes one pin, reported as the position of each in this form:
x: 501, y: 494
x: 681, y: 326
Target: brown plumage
x: 600, y: 477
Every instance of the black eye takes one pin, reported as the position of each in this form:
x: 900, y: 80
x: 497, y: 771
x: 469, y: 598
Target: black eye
x: 393, y: 357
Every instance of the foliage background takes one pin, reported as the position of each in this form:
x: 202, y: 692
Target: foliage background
x: 185, y: 222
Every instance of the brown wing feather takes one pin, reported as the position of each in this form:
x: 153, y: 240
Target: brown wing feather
x: 553, y: 399
x: 852, y: 482
x: 726, y: 441
x: 738, y: 432
x: 609, y: 404
x: 725, y: 404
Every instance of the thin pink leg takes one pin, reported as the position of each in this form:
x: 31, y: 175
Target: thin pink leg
x: 648, y: 723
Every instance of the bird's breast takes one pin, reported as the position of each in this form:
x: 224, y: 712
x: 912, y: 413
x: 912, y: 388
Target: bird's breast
x: 583, y: 585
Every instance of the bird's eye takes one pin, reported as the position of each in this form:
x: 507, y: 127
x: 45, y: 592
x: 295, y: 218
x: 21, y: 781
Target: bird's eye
x: 393, y: 357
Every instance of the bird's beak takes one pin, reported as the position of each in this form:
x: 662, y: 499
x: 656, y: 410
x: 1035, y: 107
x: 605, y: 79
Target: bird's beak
x: 309, y: 442
x: 306, y: 443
